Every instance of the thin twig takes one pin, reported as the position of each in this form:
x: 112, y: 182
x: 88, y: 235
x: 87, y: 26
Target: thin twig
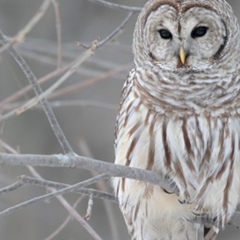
x: 43, y: 48
x: 64, y: 224
x: 43, y: 95
x: 61, y: 199
x: 116, y: 6
x: 101, y: 185
x: 59, y: 31
x: 23, y: 180
x: 116, y: 31
x: 50, y: 195
x: 64, y: 91
x: 87, y: 71
x: 7, y: 147
x: 90, y: 81
x: 57, y: 185
x: 41, y: 80
x: 60, y: 104
x: 68, y: 207
x: 38, y: 91
x: 71, y: 188
x: 23, y: 32
x: 113, y: 34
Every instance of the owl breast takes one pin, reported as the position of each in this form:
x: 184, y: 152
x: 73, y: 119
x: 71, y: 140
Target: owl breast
x: 199, y: 152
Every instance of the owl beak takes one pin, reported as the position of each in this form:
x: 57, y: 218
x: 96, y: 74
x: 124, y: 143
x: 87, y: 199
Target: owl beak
x: 182, y: 55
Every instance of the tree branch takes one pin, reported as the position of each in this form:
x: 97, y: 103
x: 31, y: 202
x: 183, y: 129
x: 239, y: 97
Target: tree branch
x: 57, y: 185
x: 23, y: 32
x: 76, y: 161
x: 68, y: 189
x: 110, y: 169
x: 116, y: 6
x: 38, y: 91
x: 116, y: 31
x: 64, y: 224
x: 23, y: 180
x: 59, y: 32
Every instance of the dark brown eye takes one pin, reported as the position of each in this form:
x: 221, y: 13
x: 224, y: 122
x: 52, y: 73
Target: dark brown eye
x: 165, y: 34
x: 199, y: 32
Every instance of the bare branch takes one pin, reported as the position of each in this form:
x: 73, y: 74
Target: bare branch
x: 78, y: 217
x: 71, y: 188
x: 64, y: 224
x: 59, y: 31
x: 102, y: 185
x: 91, y: 164
x: 116, y: 31
x: 89, y: 82
x: 11, y: 187
x: 68, y: 207
x: 116, y: 6
x: 38, y: 91
x: 56, y: 185
x: 75, y: 66
x: 65, y: 204
x: 21, y: 34
x: 23, y: 180
x: 26, y: 89
x: 76, y: 161
x: 113, y: 34
x: 60, y: 104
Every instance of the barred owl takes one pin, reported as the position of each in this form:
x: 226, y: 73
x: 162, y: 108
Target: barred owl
x: 179, y: 116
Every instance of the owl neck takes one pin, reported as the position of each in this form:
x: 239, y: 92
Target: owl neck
x: 213, y: 92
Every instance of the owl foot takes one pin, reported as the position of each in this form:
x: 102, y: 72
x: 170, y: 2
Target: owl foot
x: 200, y: 212
x: 183, y: 199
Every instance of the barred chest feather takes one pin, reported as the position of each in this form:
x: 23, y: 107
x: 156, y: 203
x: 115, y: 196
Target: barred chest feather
x: 196, y: 150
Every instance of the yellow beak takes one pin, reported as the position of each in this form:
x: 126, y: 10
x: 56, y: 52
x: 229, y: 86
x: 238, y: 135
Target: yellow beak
x: 182, y: 55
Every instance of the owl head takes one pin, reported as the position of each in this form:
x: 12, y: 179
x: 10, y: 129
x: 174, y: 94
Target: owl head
x: 187, y: 35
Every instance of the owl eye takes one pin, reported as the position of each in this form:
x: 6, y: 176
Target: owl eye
x: 199, y: 32
x: 165, y: 34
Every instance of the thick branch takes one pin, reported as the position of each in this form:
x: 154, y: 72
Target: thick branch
x: 74, y: 160
x: 110, y: 169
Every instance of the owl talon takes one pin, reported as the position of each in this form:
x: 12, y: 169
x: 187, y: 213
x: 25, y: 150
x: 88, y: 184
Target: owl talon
x: 200, y: 212
x: 168, y: 192
x: 183, y: 199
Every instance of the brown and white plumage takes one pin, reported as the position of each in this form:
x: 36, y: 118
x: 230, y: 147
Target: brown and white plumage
x: 180, y: 117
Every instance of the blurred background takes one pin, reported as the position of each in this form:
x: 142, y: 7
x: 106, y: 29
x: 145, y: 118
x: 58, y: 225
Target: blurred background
x: 86, y: 112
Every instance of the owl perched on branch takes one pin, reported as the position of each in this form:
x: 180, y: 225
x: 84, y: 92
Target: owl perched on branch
x: 180, y: 117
